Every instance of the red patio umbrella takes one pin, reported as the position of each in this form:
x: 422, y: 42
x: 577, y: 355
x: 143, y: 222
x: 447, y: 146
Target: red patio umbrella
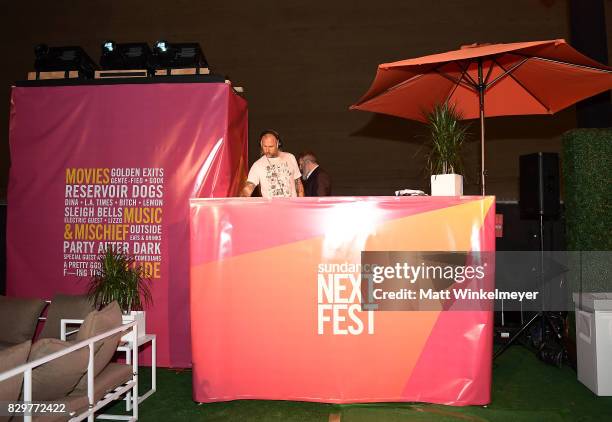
x: 485, y: 80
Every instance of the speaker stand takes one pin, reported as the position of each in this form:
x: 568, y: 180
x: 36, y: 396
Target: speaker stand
x: 543, y: 317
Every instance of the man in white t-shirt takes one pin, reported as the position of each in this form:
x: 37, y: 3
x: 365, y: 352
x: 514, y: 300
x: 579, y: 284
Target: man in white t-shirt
x: 276, y: 172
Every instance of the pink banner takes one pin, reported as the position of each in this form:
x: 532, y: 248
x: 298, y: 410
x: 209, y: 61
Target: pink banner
x: 115, y: 165
x: 276, y: 301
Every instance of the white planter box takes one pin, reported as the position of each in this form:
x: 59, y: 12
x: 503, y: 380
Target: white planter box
x: 140, y: 318
x: 446, y: 185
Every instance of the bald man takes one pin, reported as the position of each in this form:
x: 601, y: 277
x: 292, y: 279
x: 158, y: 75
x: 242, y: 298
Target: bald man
x: 316, y: 180
x: 276, y: 172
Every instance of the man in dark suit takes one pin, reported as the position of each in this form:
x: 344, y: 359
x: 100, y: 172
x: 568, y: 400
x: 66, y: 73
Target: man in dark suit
x: 316, y: 180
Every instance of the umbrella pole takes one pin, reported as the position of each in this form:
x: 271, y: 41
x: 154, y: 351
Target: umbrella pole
x: 481, y: 89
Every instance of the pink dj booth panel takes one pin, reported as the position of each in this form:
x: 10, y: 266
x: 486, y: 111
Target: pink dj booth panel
x: 100, y: 165
x: 256, y: 308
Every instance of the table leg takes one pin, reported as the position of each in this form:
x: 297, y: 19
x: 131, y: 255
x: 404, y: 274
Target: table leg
x: 128, y: 396
x: 154, y: 365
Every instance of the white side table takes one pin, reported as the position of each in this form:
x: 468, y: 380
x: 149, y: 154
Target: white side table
x: 127, y: 348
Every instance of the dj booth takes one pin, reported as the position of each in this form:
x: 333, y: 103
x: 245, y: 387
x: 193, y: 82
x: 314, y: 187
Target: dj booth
x: 98, y: 164
x: 261, y: 328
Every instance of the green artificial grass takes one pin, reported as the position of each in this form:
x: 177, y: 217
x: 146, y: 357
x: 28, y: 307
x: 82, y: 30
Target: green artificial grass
x: 524, y: 389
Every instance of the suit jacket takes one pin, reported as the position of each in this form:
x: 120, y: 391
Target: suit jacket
x: 318, y: 183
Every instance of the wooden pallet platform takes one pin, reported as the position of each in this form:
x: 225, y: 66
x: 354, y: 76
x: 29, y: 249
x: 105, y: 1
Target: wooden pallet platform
x: 185, y: 71
x: 121, y: 73
x: 58, y: 74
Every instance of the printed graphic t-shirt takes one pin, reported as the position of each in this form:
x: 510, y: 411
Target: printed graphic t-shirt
x: 276, y: 176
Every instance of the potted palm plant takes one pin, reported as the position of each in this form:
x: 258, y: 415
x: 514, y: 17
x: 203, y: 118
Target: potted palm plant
x: 447, y: 136
x: 120, y: 278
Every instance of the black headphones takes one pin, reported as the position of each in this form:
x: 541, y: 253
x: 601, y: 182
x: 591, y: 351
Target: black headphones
x: 274, y: 133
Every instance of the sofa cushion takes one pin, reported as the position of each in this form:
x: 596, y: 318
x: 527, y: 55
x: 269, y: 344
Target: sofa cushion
x: 96, y: 323
x: 18, y: 318
x: 57, y: 378
x: 65, y: 307
x: 6, y: 345
x: 75, y: 405
x: 11, y: 358
x: 114, y: 375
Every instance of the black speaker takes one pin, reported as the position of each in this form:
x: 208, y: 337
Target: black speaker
x: 539, y: 185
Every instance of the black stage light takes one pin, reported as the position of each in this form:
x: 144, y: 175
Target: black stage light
x: 178, y: 55
x: 53, y: 59
x: 125, y: 56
